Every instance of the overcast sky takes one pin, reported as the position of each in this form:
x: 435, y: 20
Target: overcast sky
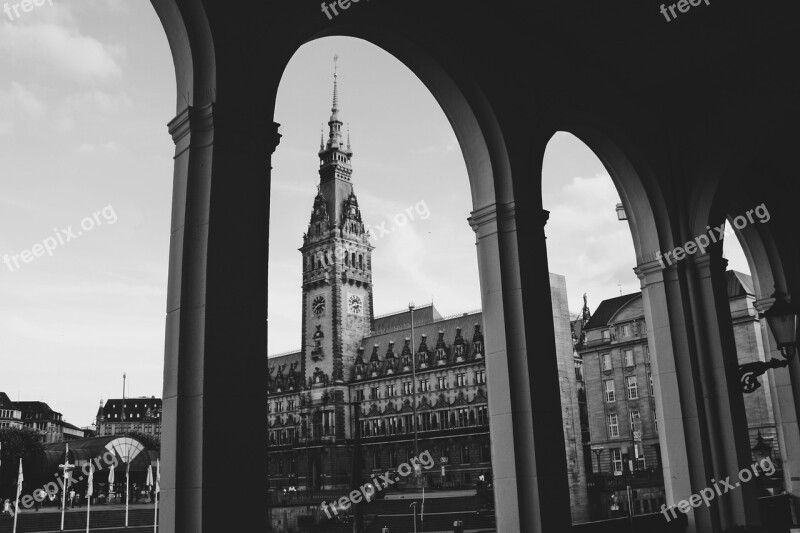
x: 86, y: 90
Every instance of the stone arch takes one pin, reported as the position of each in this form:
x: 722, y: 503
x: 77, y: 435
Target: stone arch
x: 773, y: 258
x: 228, y: 70
x: 630, y: 170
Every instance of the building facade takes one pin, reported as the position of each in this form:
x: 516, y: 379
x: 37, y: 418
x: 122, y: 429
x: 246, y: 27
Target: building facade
x: 142, y: 414
x: 353, y: 365
x: 618, y: 400
x: 48, y: 423
x: 10, y: 415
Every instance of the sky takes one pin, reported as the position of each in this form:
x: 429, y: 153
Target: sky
x: 86, y: 91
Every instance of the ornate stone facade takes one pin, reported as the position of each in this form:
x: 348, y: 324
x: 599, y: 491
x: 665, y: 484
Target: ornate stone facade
x: 351, y: 360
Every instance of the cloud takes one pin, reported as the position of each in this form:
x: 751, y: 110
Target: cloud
x: 100, y: 101
x: 21, y: 101
x: 89, y: 148
x: 53, y: 47
x: 585, y: 240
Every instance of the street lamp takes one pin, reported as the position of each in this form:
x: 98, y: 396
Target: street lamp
x: 782, y: 318
x: 411, y: 307
x: 761, y: 450
x: 621, y: 215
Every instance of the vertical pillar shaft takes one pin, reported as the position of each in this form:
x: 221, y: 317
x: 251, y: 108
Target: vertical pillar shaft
x: 215, y: 362
x: 679, y: 425
x: 528, y: 456
x: 784, y: 403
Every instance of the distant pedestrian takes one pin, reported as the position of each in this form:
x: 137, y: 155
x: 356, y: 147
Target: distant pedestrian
x: 385, y: 529
x: 71, y: 498
x: 7, y: 508
x: 38, y: 493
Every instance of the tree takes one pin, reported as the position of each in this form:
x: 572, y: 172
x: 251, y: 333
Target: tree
x: 18, y: 442
x: 152, y: 443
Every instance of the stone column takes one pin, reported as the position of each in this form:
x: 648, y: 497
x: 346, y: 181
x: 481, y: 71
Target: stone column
x: 784, y: 405
x: 528, y: 457
x: 680, y: 429
x: 719, y: 377
x: 215, y: 363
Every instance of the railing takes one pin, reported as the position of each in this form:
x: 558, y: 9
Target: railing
x: 609, y: 481
x: 290, y: 497
x: 652, y: 523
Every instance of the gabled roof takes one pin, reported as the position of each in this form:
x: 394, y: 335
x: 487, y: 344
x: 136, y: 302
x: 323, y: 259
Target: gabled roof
x: 608, y: 308
x: 738, y: 284
x: 285, y: 358
x: 5, y: 402
x: 135, y: 409
x: 402, y: 319
x: 35, y: 408
x: 431, y: 330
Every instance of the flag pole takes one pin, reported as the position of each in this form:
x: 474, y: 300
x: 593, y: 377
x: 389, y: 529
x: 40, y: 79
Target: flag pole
x: 19, y: 489
x: 64, y: 487
x: 422, y: 511
x: 158, y: 488
x: 127, y: 497
x: 89, y: 492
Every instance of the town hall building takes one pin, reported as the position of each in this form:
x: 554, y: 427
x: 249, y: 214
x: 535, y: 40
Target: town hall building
x: 351, y: 360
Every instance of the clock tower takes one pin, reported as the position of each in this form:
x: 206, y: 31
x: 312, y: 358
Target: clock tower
x: 337, y: 274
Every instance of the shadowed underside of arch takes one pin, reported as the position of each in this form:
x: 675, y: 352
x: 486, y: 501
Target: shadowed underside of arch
x: 507, y: 77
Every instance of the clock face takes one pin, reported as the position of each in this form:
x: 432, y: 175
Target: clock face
x: 318, y: 305
x: 354, y: 304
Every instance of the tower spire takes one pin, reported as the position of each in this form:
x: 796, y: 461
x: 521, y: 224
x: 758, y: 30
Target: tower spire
x: 334, y: 124
x: 335, y: 108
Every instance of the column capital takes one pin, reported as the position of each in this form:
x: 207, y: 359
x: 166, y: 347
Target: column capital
x: 484, y: 219
x: 220, y: 124
x: 762, y: 304
x: 650, y: 272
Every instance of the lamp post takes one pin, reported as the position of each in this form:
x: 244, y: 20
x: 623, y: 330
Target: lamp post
x: 358, y: 513
x: 417, y: 471
x: 761, y: 450
x: 621, y: 215
x: 782, y: 318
